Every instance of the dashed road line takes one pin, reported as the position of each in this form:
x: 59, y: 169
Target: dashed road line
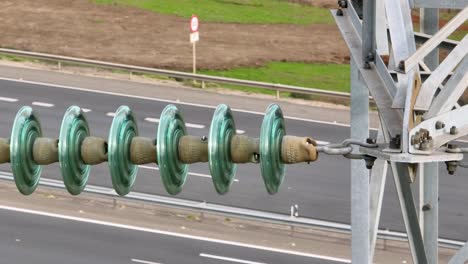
x: 203, y: 255
x: 86, y: 110
x: 144, y: 261
x: 156, y: 120
x: 43, y: 104
x: 189, y: 173
x: 111, y: 114
x: 8, y: 99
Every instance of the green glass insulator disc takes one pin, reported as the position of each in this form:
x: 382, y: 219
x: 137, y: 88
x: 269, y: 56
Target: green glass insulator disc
x: 123, y: 130
x: 26, y: 128
x: 73, y: 131
x: 271, y: 137
x: 222, y: 130
x: 171, y: 128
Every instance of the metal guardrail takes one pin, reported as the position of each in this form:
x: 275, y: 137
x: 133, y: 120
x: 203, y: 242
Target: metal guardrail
x: 176, y: 74
x: 224, y: 210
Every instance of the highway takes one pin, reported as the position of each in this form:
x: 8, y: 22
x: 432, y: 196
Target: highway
x: 42, y: 239
x: 321, y: 189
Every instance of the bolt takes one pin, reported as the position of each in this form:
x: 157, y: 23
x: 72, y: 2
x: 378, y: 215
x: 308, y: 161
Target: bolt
x: 439, y: 125
x: 367, y: 65
x: 342, y: 3
x: 369, y: 163
x: 451, y: 146
x: 370, y: 57
x: 371, y: 140
x: 395, y: 142
x: 339, y: 12
x: 426, y: 207
x: 453, y: 130
x: 451, y: 166
x: 204, y: 138
x: 401, y: 65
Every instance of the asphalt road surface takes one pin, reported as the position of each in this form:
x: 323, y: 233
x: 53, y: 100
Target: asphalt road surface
x: 321, y: 189
x: 40, y: 239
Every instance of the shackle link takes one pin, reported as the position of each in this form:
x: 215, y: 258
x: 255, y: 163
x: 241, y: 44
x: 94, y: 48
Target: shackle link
x: 345, y: 148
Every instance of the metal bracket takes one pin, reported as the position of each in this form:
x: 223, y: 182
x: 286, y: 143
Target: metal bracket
x: 440, y: 129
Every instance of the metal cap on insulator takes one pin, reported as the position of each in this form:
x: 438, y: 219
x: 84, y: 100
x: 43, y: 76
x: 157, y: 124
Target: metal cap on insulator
x: 143, y: 150
x: 298, y: 149
x: 94, y: 150
x: 244, y: 149
x: 4, y: 150
x: 193, y: 149
x: 45, y: 151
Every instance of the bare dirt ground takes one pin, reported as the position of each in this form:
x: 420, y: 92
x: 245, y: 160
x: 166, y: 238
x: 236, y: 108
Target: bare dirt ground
x: 134, y: 36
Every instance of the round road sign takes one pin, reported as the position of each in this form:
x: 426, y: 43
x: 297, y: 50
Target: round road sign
x: 194, y: 23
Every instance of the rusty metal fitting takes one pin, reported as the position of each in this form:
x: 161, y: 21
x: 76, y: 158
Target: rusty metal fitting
x: 4, y: 150
x: 298, y: 149
x: 244, y: 149
x: 143, y: 151
x: 193, y: 149
x: 45, y: 151
x: 94, y: 150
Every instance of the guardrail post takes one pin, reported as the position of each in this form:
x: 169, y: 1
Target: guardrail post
x: 59, y: 65
x: 277, y: 94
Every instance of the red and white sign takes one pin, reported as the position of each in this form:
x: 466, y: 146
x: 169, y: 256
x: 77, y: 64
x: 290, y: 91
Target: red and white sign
x: 194, y: 24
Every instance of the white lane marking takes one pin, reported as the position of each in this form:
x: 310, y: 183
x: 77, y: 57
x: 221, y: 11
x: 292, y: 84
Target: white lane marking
x: 156, y: 120
x: 190, y: 173
x: 172, y: 101
x: 111, y: 114
x: 86, y: 110
x: 43, y: 104
x: 167, y: 233
x: 144, y: 261
x: 8, y: 99
x: 229, y: 259
x: 240, y: 131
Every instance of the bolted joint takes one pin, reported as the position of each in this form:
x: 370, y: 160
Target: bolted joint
x: 298, y: 149
x: 339, y: 12
x: 4, y: 150
x: 45, y: 151
x: 371, y: 141
x: 94, y: 150
x: 193, y: 149
x: 142, y: 150
x: 244, y: 149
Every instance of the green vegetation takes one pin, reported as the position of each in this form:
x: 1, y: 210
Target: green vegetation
x: 235, y: 11
x: 333, y: 77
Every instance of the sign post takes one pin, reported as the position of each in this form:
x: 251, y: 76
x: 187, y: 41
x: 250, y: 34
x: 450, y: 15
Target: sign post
x: 194, y: 38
